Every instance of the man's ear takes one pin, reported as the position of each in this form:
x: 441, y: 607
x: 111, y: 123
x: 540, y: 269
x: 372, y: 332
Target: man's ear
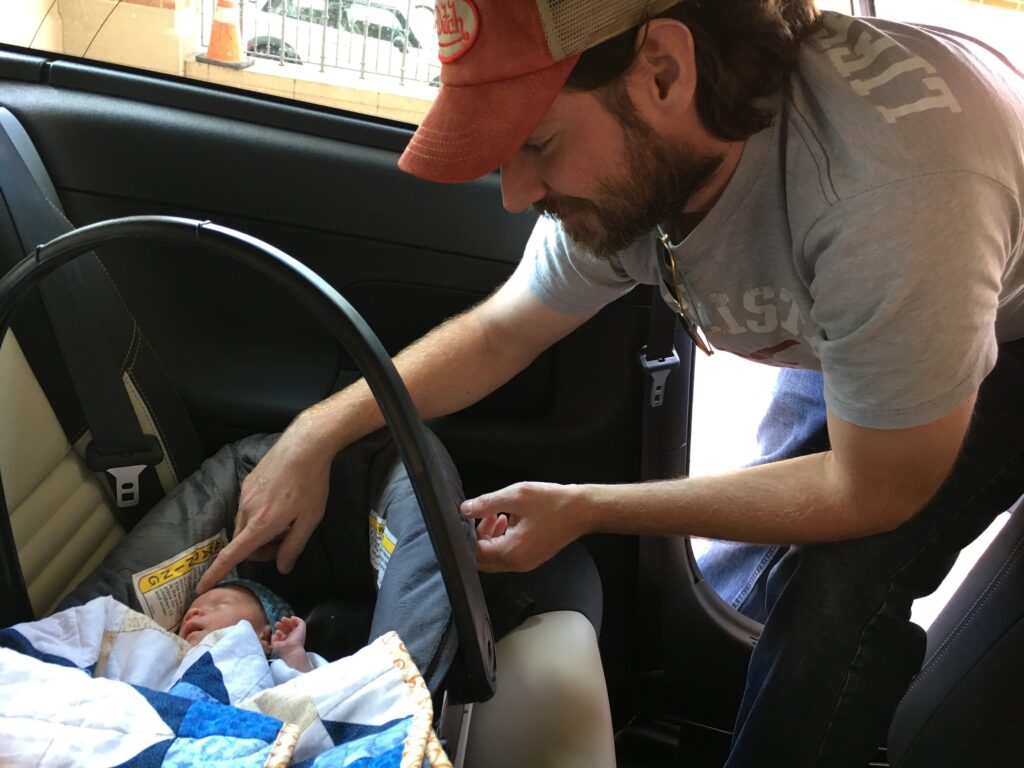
x: 664, y: 75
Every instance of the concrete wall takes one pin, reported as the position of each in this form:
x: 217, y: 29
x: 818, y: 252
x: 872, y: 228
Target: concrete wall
x: 153, y: 34
x: 32, y: 24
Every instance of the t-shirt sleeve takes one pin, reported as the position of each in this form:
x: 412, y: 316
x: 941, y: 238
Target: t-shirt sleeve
x: 566, y: 278
x: 907, y: 281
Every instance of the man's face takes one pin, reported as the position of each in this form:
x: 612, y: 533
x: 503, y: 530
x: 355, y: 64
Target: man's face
x: 219, y: 608
x: 608, y: 178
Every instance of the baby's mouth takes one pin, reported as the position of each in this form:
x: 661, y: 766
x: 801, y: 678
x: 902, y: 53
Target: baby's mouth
x: 188, y: 628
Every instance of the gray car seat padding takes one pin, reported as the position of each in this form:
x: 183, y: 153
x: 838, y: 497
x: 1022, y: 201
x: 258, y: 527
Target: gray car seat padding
x: 334, y: 569
x: 964, y: 707
x: 567, y: 582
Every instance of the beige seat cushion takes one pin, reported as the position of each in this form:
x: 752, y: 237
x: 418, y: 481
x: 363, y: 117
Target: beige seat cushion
x: 61, y: 516
x: 550, y: 709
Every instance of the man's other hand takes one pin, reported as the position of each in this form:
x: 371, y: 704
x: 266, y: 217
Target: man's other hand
x: 525, y: 524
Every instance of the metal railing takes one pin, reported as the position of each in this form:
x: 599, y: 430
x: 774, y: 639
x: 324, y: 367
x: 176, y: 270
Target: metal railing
x: 384, y: 38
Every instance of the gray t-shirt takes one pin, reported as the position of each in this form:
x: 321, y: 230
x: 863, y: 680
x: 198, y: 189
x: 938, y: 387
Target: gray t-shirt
x: 874, y: 232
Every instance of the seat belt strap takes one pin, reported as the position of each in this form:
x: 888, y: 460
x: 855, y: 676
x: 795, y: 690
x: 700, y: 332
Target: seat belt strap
x: 666, y: 428
x: 118, y: 446
x: 658, y: 357
x: 667, y: 359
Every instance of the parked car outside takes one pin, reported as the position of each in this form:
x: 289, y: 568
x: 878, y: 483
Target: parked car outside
x: 385, y: 20
x: 269, y: 47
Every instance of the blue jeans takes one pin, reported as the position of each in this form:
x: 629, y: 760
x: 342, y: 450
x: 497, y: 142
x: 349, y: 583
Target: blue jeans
x: 793, y: 425
x: 838, y: 648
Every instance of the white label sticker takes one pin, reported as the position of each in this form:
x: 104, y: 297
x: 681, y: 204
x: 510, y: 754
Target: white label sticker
x: 382, y: 544
x: 164, y: 590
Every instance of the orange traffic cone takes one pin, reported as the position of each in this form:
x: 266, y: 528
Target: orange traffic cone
x: 226, y: 38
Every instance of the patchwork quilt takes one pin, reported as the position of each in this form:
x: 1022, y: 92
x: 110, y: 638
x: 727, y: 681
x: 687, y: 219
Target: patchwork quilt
x: 103, y: 685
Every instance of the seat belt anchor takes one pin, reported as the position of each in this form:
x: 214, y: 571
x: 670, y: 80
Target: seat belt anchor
x: 659, y: 369
x: 126, y: 468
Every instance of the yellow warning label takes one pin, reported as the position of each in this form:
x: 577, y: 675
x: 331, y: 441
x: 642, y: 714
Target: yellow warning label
x: 382, y: 545
x: 382, y: 536
x: 182, y: 566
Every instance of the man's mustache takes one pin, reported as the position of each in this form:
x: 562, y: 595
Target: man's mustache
x: 560, y: 206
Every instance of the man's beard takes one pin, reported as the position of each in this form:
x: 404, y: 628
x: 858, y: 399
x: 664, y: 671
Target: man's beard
x: 657, y: 181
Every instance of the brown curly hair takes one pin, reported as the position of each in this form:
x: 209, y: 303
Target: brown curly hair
x: 745, y: 50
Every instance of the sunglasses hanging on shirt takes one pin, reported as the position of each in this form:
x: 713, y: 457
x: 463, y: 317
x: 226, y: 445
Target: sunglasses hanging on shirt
x: 680, y: 299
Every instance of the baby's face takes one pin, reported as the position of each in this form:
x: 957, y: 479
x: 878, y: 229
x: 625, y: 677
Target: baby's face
x: 219, y: 608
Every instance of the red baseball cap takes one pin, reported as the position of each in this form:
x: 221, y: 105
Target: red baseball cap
x: 503, y: 62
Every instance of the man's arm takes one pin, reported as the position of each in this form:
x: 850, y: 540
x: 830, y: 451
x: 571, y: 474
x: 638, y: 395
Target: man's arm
x: 453, y: 366
x: 871, y: 481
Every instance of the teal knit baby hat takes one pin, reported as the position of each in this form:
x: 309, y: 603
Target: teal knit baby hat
x: 274, y: 606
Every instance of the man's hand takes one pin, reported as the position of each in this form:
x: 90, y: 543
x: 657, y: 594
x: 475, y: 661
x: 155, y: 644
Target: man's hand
x: 525, y: 524
x: 281, y: 503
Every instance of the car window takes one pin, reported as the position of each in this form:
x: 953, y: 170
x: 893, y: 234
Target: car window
x: 376, y: 57
x: 1000, y: 23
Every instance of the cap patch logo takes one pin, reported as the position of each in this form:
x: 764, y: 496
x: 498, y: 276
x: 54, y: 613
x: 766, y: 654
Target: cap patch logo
x: 457, y: 23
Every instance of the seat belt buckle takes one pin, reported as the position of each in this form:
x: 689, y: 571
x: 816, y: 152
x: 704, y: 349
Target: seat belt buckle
x: 659, y: 369
x: 126, y: 484
x: 126, y: 468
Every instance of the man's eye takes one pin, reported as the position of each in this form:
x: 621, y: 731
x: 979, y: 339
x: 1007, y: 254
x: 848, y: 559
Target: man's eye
x: 536, y: 147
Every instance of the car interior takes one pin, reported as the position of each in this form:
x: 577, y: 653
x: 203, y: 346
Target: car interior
x: 214, y: 352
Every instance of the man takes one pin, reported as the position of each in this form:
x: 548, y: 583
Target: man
x: 820, y: 193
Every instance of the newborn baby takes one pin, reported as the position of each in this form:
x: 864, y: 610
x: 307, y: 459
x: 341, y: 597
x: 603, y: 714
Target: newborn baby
x: 280, y: 632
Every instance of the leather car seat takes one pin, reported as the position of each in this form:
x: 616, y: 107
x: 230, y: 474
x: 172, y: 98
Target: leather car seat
x: 61, y: 516
x: 966, y: 706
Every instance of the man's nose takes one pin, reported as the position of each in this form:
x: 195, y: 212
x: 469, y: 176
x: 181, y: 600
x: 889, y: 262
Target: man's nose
x: 521, y: 185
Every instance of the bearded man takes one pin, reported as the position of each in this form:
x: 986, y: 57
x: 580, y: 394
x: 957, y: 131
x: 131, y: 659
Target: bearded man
x: 809, y: 191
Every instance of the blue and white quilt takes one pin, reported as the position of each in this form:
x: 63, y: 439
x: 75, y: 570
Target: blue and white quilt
x: 103, y: 685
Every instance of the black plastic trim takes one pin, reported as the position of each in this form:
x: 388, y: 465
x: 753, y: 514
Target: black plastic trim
x: 18, y: 66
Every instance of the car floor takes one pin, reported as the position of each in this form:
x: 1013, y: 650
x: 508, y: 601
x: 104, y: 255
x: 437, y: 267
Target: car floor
x: 664, y: 741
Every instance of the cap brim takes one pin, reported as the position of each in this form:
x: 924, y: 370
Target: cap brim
x: 472, y: 130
